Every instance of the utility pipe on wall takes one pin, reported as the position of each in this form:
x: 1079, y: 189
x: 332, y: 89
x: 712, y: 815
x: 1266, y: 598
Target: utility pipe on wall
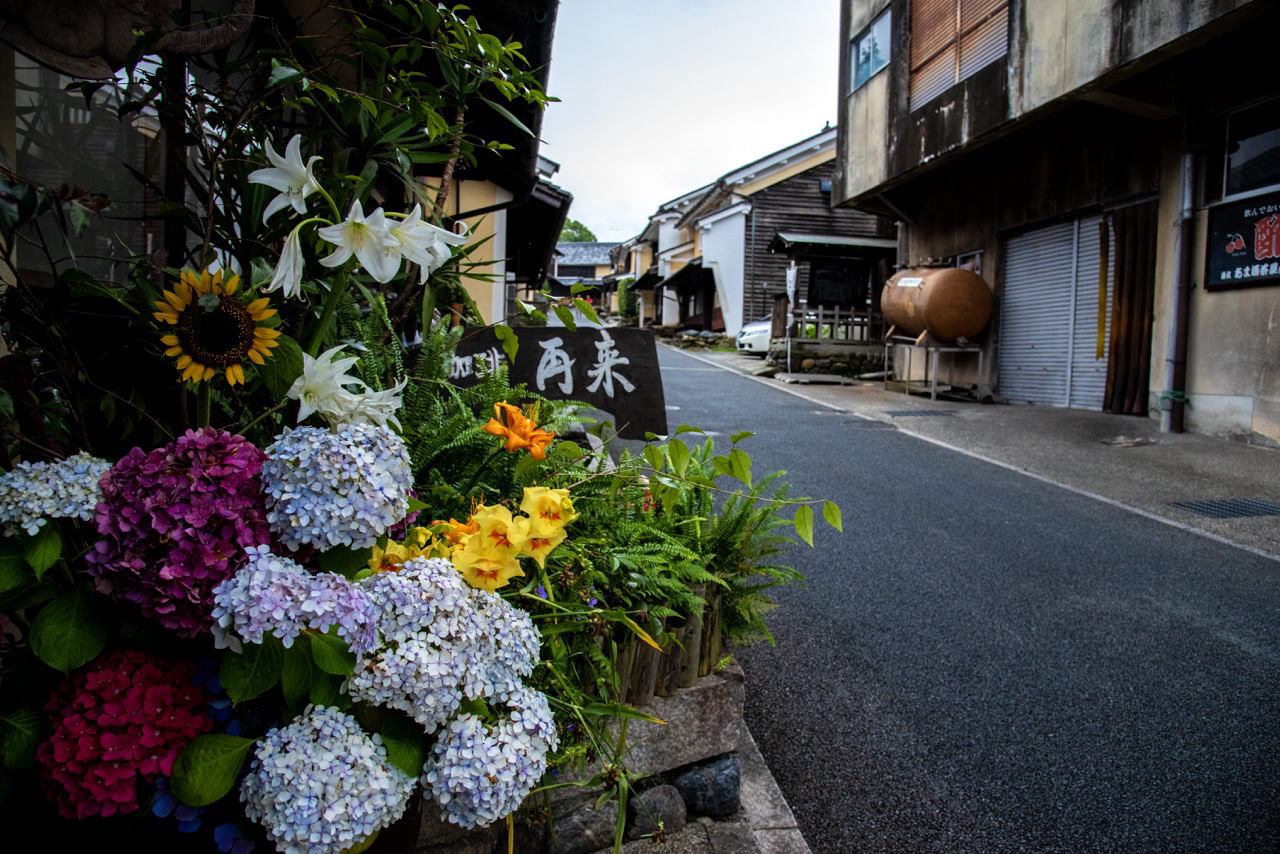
x: 1173, y: 398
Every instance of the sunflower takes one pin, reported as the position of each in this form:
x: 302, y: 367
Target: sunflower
x: 215, y: 331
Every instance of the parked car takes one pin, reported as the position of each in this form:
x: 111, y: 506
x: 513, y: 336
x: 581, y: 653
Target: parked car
x: 754, y: 336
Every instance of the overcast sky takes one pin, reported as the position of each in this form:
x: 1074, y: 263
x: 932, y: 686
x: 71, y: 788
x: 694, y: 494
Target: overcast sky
x: 658, y: 97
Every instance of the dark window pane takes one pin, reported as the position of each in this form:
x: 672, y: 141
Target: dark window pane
x: 1253, y: 148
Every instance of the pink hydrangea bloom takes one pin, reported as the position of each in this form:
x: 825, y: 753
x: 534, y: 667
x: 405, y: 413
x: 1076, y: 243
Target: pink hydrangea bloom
x: 121, y: 722
x: 175, y: 522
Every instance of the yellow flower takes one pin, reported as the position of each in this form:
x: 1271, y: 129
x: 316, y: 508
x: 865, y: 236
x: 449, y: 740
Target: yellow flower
x: 540, y: 538
x: 495, y: 528
x: 455, y: 532
x: 215, y: 332
x: 425, y: 544
x: 486, y: 565
x: 550, y: 506
x: 520, y: 429
x: 391, y: 558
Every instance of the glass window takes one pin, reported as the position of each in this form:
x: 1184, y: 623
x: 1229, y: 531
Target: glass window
x: 871, y: 50
x: 1253, y: 149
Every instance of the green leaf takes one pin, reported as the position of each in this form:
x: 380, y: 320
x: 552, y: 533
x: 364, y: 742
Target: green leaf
x: 365, y: 844
x: 281, y: 74
x: 344, y: 560
x: 804, y: 523
x: 23, y: 732
x: 295, y: 674
x: 607, y: 711
x: 6, y: 404
x: 43, y: 550
x: 508, y: 115
x: 740, y: 465
x: 722, y: 465
x: 332, y: 656
x: 13, y: 569
x: 567, y: 451
x: 653, y: 457
x: 79, y: 218
x: 679, y: 452
x: 69, y: 631
x: 283, y: 367
x: 687, y: 428
x: 253, y: 672
x: 587, y: 311
x: 739, y: 436
x: 406, y: 748
x: 325, y: 689
x: 566, y: 317
x: 510, y: 343
x: 831, y: 512
x: 208, y: 768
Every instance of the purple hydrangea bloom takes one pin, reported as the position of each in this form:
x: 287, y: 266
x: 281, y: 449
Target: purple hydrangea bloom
x: 478, y: 773
x: 274, y: 595
x: 336, y: 488
x: 175, y: 522
x: 34, y: 492
x: 322, y: 785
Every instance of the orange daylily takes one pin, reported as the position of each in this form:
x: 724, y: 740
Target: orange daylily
x: 520, y: 429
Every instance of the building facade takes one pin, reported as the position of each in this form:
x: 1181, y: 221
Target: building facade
x: 1111, y: 168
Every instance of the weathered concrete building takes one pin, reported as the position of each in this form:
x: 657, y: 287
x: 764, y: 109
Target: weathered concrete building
x: 1111, y: 168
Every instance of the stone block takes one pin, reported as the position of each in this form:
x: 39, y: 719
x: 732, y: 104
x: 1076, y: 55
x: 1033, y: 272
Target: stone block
x: 731, y: 837
x: 713, y: 789
x: 781, y: 841
x: 701, y: 721
x: 661, y: 805
x: 691, y: 840
x: 585, y: 830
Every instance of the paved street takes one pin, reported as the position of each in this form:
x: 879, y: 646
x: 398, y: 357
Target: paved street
x: 987, y: 662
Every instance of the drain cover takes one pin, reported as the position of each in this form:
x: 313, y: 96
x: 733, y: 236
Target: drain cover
x: 1230, y: 508
x: 909, y: 413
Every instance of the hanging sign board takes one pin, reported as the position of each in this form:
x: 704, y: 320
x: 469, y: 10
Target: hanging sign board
x: 1244, y: 243
x: 614, y: 369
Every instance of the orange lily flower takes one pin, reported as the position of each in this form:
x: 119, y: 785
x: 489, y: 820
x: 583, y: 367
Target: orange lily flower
x: 520, y: 430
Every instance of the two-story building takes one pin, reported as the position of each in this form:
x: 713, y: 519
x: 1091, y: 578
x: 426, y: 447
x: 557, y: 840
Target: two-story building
x: 707, y: 254
x: 1112, y: 170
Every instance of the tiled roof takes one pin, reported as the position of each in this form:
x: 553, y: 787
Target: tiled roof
x: 574, y: 254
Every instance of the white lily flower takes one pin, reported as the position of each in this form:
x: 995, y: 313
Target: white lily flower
x: 377, y: 407
x: 289, y: 175
x: 288, y: 274
x: 320, y: 387
x: 424, y: 244
x: 368, y: 238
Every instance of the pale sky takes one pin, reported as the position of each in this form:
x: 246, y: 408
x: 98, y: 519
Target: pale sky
x: 658, y: 97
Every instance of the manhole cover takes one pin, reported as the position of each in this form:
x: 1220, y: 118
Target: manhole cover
x: 1229, y: 508
x: 916, y: 413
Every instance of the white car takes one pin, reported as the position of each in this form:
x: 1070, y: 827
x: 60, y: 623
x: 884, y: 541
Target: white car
x: 754, y: 336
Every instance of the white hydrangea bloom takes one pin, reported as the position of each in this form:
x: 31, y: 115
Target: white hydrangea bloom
x: 34, y: 492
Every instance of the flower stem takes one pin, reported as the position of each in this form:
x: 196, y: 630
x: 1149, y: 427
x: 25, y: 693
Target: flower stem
x: 337, y: 286
x: 480, y: 469
x: 203, y: 405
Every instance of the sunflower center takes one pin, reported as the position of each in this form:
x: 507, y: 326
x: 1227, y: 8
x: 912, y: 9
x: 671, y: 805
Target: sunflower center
x: 217, y: 336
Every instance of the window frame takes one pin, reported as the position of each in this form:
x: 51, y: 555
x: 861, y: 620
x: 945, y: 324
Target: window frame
x: 1224, y: 196
x: 886, y: 16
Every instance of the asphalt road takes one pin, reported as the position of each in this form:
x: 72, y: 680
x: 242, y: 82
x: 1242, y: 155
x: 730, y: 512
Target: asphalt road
x: 984, y: 662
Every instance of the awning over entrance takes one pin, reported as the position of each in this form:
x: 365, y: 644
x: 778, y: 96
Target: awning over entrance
x: 796, y: 244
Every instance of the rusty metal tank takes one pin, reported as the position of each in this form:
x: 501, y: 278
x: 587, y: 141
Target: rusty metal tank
x: 947, y: 302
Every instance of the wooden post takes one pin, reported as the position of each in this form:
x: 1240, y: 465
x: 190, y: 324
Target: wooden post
x: 710, y: 653
x: 691, y: 639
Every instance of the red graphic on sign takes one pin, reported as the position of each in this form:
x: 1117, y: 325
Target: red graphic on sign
x: 1266, y: 237
x: 1235, y: 244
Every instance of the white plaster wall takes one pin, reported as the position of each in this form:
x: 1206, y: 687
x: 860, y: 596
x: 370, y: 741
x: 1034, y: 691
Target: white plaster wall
x: 723, y: 244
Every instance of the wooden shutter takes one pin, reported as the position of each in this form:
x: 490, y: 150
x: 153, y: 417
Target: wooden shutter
x: 950, y: 40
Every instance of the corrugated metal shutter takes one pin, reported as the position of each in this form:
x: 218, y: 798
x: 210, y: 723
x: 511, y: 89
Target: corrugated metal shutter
x: 1088, y: 371
x: 933, y: 26
x: 1049, y: 317
x: 984, y: 45
x: 1035, y: 315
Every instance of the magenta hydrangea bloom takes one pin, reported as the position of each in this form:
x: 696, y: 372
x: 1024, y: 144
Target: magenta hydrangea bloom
x: 175, y: 522
x: 121, y: 722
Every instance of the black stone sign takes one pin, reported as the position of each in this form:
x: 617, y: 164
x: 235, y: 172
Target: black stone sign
x: 613, y: 369
x: 1244, y: 243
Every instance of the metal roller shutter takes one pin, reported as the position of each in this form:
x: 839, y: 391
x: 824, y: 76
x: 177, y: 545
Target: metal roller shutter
x: 1035, y: 315
x: 1049, y: 317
